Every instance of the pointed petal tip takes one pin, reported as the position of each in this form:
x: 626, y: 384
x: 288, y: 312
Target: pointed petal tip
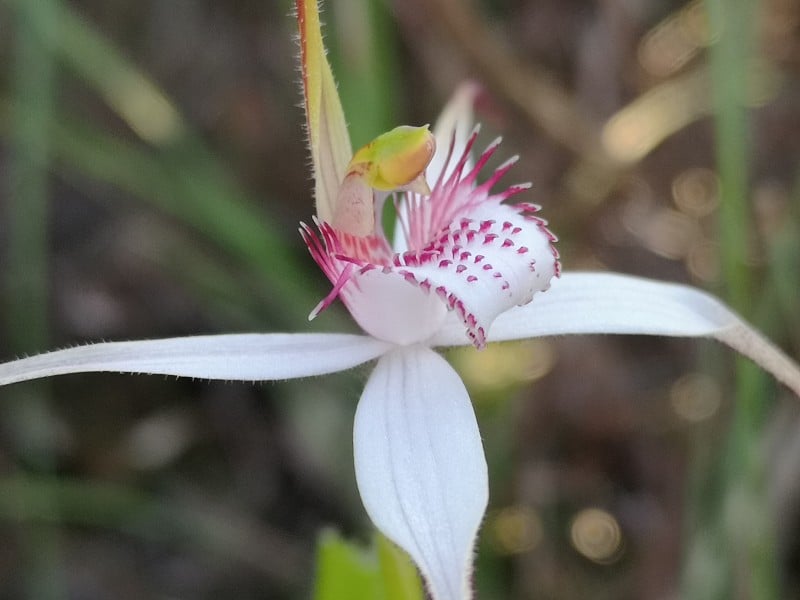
x: 512, y: 160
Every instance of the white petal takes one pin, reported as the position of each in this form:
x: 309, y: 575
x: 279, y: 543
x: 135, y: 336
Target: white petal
x: 420, y: 465
x: 245, y: 357
x: 612, y: 303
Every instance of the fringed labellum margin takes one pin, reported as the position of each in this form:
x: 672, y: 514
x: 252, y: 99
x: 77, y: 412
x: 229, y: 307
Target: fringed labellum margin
x: 467, y: 252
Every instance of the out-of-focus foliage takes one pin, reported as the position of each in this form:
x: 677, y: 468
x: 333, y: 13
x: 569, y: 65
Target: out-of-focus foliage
x: 347, y: 571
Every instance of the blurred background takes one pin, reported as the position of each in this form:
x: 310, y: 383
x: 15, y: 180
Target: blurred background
x: 153, y: 174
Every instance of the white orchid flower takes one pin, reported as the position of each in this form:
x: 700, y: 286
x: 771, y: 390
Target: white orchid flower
x: 464, y: 270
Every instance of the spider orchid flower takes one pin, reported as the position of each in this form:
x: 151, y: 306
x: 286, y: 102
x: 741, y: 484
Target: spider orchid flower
x: 464, y: 269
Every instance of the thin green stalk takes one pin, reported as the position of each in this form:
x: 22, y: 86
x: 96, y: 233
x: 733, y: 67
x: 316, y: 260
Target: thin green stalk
x: 363, y: 52
x: 26, y: 275
x: 730, y: 59
x: 739, y: 522
x: 27, y: 409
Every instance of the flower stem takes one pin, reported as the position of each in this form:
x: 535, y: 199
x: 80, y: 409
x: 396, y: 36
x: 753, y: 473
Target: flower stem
x: 27, y: 408
x: 741, y: 495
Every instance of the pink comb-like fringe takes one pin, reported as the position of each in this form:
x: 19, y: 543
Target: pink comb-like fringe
x: 444, y: 241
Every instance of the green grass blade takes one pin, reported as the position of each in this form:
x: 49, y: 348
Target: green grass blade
x: 26, y: 409
x: 363, y: 51
x: 749, y: 566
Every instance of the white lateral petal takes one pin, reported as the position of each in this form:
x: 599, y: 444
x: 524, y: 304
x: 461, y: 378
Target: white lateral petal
x: 612, y: 303
x: 245, y: 357
x: 420, y: 466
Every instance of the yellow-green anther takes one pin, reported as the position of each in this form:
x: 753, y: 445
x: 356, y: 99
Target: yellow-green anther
x: 395, y: 160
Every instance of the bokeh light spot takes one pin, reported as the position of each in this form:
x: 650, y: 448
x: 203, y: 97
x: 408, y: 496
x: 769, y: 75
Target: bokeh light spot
x: 696, y: 191
x: 695, y: 397
x: 596, y: 534
x: 516, y: 529
x: 501, y: 365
